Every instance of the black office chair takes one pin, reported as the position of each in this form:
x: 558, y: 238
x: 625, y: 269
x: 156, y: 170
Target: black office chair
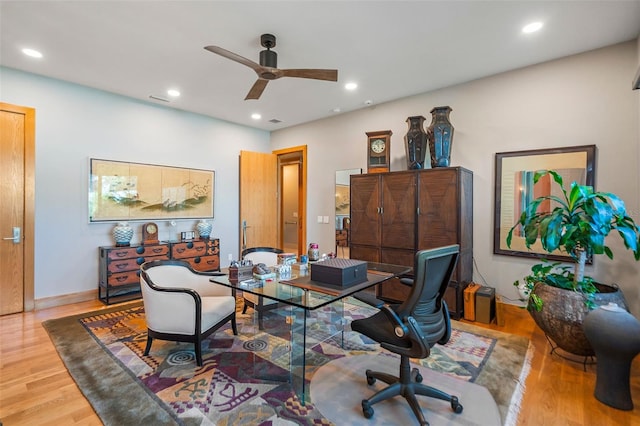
x: 410, y: 329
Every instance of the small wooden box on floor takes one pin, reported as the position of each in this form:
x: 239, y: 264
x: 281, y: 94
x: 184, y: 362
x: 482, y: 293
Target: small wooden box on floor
x: 470, y: 301
x: 485, y: 304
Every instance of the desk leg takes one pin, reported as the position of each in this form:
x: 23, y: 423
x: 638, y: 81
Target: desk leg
x: 299, y: 353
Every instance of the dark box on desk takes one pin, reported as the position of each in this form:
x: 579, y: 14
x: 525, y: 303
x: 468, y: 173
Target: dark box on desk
x: 485, y: 304
x: 340, y: 272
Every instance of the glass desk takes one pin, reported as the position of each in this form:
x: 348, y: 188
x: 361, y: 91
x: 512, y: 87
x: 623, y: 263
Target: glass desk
x: 301, y: 295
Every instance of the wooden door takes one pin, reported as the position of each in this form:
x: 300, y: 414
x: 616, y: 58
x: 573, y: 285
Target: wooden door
x: 258, y: 200
x: 17, y: 143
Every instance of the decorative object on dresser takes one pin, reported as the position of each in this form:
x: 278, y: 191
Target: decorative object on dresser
x: 416, y: 143
x: 149, y: 233
x: 119, y: 271
x: 378, y: 147
x: 204, y: 228
x: 394, y: 215
x: 122, y: 233
x: 440, y: 133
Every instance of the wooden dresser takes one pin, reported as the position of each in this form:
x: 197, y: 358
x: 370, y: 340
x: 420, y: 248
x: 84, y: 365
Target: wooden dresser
x: 395, y: 214
x: 119, y: 270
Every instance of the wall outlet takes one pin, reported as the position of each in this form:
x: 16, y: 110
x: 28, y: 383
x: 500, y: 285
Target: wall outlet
x: 319, y: 219
x: 230, y: 257
x: 325, y: 219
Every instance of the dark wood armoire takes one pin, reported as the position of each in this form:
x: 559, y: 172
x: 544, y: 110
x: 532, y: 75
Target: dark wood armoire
x: 395, y: 214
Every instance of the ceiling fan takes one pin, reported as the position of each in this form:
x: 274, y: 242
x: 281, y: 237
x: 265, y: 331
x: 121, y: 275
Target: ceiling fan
x: 268, y: 70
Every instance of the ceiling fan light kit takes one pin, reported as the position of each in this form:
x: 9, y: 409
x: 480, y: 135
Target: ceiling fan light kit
x: 268, y: 70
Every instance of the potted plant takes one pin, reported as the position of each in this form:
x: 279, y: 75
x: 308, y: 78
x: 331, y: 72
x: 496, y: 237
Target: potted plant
x: 577, y: 223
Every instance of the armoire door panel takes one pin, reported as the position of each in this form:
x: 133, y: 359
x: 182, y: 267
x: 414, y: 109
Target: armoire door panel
x: 397, y: 257
x: 366, y: 253
x: 364, y: 211
x: 438, y: 222
x: 398, y: 210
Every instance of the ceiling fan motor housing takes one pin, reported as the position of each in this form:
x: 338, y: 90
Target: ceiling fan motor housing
x: 269, y: 58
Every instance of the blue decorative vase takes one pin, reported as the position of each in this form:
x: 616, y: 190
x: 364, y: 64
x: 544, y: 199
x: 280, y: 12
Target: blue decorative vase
x: 440, y: 134
x: 122, y: 233
x: 204, y: 229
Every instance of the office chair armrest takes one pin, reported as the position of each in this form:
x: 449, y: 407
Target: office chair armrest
x: 399, y: 327
x: 418, y: 348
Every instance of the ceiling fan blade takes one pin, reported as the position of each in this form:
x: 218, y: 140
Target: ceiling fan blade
x: 329, y: 75
x: 257, y: 89
x: 235, y: 57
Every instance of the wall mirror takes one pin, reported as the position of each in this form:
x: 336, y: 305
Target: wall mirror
x: 514, y: 190
x: 343, y: 205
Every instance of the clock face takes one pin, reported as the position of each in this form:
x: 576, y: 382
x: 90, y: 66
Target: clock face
x: 378, y: 145
x: 151, y: 228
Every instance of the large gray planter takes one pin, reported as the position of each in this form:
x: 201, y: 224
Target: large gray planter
x: 563, y: 312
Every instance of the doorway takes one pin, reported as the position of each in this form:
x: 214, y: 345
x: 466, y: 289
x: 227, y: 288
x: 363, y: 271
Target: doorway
x: 272, y: 197
x: 17, y: 202
x: 292, y: 174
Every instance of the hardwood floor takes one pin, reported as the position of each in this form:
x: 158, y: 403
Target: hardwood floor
x: 35, y: 388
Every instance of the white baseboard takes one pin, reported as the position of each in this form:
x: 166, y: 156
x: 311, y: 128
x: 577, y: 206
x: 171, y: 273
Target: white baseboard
x: 65, y: 299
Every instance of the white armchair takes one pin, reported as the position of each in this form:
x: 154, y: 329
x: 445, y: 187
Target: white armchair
x: 182, y: 305
x: 268, y: 256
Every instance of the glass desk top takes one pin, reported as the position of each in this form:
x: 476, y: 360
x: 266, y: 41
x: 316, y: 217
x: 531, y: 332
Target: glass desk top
x: 299, y: 290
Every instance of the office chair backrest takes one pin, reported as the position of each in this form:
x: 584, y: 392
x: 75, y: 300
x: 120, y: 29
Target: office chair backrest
x: 266, y: 255
x: 432, y: 272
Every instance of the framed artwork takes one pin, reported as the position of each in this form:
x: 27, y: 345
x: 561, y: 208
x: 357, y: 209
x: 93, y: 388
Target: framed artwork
x: 122, y: 191
x: 514, y: 189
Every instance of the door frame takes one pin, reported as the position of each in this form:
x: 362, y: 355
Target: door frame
x: 302, y: 194
x: 29, y: 201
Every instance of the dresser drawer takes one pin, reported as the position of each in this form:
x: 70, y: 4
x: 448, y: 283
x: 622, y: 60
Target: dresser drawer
x: 205, y: 263
x: 124, y: 278
x: 188, y: 249
x: 132, y: 252
x: 123, y: 265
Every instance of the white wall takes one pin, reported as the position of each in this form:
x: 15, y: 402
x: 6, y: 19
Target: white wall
x: 75, y: 123
x: 579, y: 100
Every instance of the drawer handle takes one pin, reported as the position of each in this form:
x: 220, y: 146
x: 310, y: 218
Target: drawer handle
x: 200, y: 248
x: 180, y: 250
x: 121, y: 266
x: 120, y: 279
x: 120, y: 253
x: 157, y: 250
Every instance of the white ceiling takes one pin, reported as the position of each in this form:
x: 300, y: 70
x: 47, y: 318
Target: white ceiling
x: 392, y: 49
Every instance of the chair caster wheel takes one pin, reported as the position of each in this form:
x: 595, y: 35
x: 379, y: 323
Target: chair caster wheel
x: 370, y: 380
x: 419, y: 378
x: 456, y: 406
x: 366, y: 409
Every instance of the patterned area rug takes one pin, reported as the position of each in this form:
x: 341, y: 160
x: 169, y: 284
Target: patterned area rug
x: 245, y: 379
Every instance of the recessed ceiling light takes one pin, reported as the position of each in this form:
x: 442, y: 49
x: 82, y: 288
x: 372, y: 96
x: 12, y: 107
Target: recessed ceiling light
x: 532, y: 27
x: 336, y: 109
x: 32, y: 52
x: 351, y: 86
x: 256, y: 116
x: 173, y: 93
